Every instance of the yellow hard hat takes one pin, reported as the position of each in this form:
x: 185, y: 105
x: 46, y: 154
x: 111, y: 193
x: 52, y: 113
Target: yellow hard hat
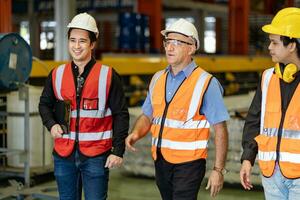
x: 286, y: 23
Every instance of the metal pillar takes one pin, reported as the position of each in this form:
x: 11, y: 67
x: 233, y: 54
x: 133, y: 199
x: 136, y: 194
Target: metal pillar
x: 64, y: 12
x: 24, y: 95
x: 34, y: 24
x: 5, y: 16
x: 238, y: 27
x: 153, y: 9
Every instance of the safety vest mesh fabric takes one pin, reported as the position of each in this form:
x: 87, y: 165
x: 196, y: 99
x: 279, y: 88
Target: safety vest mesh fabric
x: 95, y: 119
x: 271, y: 114
x: 185, y: 132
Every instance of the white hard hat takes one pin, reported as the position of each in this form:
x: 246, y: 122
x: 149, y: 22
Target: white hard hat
x: 184, y: 27
x: 84, y: 21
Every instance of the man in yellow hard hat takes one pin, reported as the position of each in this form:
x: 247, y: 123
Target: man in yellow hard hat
x: 182, y: 102
x: 93, y: 138
x: 272, y: 127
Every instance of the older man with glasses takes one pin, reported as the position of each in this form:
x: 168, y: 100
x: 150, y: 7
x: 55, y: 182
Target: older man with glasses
x: 182, y: 102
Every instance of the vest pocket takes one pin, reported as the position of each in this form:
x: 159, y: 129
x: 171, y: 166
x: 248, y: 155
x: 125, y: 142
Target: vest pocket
x: 90, y: 104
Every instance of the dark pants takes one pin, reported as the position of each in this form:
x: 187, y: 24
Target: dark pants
x: 179, y: 181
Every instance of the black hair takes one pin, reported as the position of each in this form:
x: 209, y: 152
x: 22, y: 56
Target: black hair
x: 92, y: 35
x: 287, y: 40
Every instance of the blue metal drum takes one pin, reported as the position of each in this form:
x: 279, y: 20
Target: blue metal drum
x: 15, y: 61
x: 134, y: 32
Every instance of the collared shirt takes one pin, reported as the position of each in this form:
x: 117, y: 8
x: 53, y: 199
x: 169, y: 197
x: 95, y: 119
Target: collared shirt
x: 212, y: 107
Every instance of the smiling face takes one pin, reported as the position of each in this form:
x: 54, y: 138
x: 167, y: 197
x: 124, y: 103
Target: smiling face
x: 279, y: 52
x: 80, y: 46
x: 179, y: 50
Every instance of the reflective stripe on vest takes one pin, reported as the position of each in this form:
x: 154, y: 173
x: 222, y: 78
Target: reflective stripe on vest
x: 185, y: 136
x: 180, y: 145
x: 199, y: 88
x: 89, y: 136
x: 171, y: 123
x: 289, y: 151
x: 284, y: 157
x: 59, y: 75
x: 91, y: 113
x: 153, y: 81
x: 265, y: 85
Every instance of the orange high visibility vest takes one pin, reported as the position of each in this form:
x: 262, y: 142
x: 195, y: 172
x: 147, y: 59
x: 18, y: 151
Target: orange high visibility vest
x: 178, y: 127
x: 271, y: 114
x: 94, y: 117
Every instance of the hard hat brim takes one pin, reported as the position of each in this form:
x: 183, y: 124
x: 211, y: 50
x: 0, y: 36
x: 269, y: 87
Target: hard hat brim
x: 78, y: 27
x: 271, y: 29
x: 166, y: 32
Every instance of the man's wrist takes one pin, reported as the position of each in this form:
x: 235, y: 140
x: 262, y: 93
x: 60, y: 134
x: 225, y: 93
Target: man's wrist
x: 221, y: 170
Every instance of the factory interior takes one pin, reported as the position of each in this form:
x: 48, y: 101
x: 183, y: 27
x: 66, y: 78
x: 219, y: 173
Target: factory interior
x: 33, y: 41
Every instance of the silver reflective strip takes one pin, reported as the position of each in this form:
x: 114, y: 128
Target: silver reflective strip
x: 290, y: 157
x: 201, y: 144
x: 102, y: 87
x: 171, y: 123
x: 291, y: 134
x: 265, y: 85
x: 153, y: 82
x: 270, y: 132
x: 154, y: 141
x: 196, y: 95
x: 266, y: 156
x: 156, y: 120
x: 284, y: 156
x: 58, y: 80
x: 92, y: 113
x: 89, y: 136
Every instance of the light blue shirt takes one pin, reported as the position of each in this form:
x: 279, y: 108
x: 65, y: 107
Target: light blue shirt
x: 212, y: 106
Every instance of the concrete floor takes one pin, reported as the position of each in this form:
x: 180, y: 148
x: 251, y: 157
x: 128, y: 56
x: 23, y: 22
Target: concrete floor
x: 132, y: 188
x: 124, y: 187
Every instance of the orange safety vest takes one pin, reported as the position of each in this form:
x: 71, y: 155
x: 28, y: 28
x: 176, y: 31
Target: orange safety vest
x: 273, y: 135
x: 178, y: 127
x: 93, y: 116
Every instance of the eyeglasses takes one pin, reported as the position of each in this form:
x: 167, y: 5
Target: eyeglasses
x: 174, y: 42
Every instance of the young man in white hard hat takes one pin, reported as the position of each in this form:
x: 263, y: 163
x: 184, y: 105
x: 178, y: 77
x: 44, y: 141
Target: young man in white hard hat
x: 272, y: 128
x: 94, y: 139
x: 182, y: 102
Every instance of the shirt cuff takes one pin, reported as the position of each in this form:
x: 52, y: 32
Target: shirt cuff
x: 250, y: 155
x: 118, y: 152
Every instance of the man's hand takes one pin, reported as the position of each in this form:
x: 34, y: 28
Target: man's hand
x: 215, y: 183
x: 113, y: 161
x: 245, y: 175
x: 56, y: 131
x: 130, y: 141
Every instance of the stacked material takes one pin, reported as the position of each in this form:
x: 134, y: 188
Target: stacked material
x: 140, y: 163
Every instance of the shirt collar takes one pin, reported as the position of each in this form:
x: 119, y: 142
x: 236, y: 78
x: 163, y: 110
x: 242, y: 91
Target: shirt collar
x: 187, y: 70
x: 86, y: 70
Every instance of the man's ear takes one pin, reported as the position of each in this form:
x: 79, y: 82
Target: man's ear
x: 292, y: 46
x: 93, y: 44
x: 192, y: 50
